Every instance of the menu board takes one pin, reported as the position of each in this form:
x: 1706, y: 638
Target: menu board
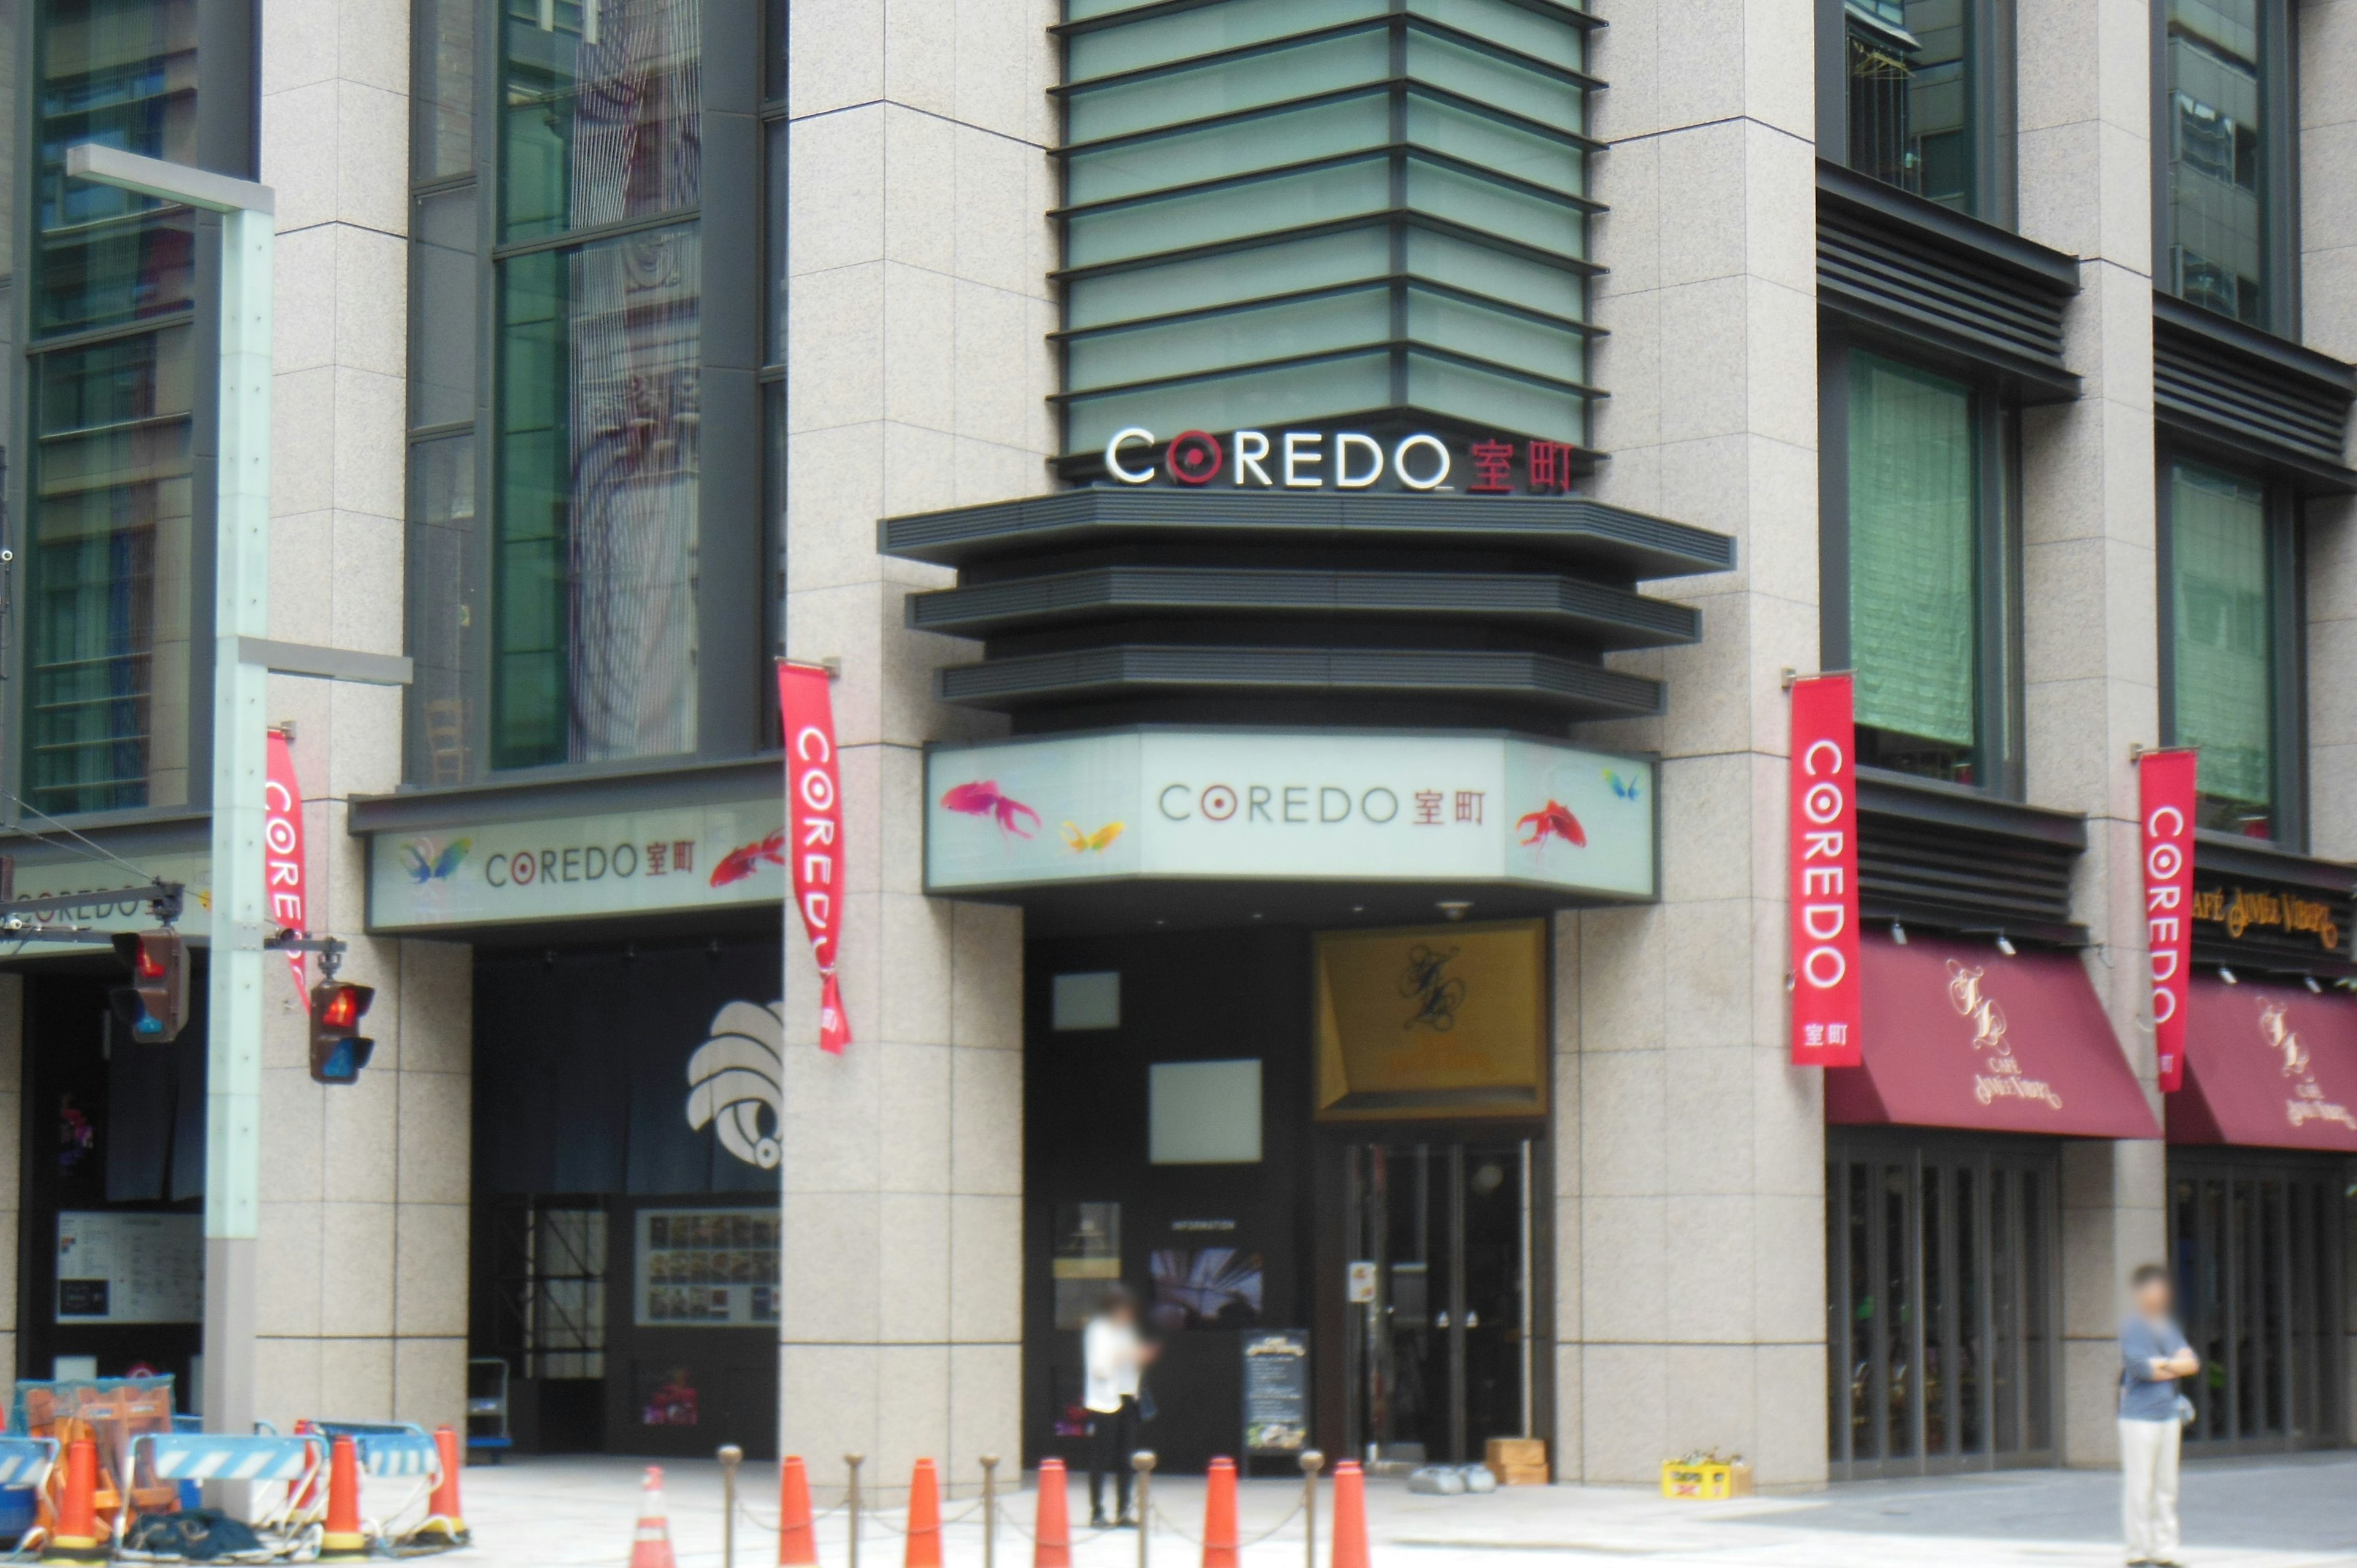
x: 707, y: 1268
x: 130, y: 1268
x: 1277, y: 1392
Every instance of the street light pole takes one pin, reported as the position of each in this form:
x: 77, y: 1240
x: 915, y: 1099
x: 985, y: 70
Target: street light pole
x: 240, y: 685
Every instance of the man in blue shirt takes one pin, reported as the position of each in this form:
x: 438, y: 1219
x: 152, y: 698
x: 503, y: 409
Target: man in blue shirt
x: 2153, y: 1356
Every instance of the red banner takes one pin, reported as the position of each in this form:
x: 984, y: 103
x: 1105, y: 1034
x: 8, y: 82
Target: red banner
x: 2165, y: 787
x: 814, y: 832
x: 1826, y: 995
x: 282, y: 854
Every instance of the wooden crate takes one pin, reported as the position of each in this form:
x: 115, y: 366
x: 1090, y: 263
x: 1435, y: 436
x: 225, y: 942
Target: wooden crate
x: 1517, y: 1461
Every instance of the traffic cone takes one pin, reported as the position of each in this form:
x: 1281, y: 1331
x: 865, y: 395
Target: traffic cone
x: 1051, y: 1530
x: 306, y: 1496
x: 925, y: 1519
x: 343, y: 1542
x: 1220, y: 1549
x: 76, y: 1538
x: 652, y: 1547
x: 797, y: 1543
x: 1349, y: 1515
x: 444, y: 1521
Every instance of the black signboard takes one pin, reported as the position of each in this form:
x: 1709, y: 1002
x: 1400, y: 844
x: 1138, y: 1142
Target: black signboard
x: 1276, y: 1390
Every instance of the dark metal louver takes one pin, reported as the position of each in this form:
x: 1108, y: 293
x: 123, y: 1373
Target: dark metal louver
x: 2228, y: 386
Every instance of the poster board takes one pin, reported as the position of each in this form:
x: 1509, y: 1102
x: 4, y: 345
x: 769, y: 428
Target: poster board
x: 706, y: 1267
x: 1277, y: 1392
x: 130, y: 1267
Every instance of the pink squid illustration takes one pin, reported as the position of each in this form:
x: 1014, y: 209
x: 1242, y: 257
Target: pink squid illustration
x: 983, y: 800
x: 1554, y: 820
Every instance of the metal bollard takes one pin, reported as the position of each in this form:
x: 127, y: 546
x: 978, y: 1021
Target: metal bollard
x: 1312, y: 1462
x: 1143, y: 1463
x: 990, y: 1510
x: 851, y: 1504
x: 731, y: 1457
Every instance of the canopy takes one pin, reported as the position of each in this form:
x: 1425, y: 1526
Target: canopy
x: 1957, y: 1034
x: 2270, y: 1066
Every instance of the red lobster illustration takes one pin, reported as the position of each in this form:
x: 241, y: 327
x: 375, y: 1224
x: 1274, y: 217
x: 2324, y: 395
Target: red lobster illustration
x: 741, y: 863
x: 983, y: 800
x: 1554, y: 820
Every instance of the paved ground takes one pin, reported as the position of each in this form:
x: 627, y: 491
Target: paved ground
x: 2284, y: 1513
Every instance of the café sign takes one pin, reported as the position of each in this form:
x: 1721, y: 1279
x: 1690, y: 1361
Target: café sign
x: 2238, y: 911
x: 1260, y: 805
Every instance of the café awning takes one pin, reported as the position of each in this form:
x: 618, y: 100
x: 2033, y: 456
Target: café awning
x: 1958, y: 1035
x: 2267, y: 1065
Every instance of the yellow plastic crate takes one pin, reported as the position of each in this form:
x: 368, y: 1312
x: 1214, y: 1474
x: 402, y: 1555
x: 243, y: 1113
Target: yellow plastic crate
x: 1706, y: 1481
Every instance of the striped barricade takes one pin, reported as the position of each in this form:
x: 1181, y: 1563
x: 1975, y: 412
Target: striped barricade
x: 389, y: 1449
x: 224, y: 1456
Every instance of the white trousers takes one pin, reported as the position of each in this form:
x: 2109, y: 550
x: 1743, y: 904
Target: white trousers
x: 2148, y: 1488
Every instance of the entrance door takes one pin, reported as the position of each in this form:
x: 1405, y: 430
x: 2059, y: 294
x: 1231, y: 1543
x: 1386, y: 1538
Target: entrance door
x: 1441, y: 1359
x: 2256, y: 1245
x: 1941, y: 1306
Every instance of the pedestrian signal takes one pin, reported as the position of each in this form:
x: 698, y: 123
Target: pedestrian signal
x: 155, y: 1006
x: 339, y: 1050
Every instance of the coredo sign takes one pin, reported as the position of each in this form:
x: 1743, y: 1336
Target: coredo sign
x: 814, y: 832
x: 282, y: 852
x: 2164, y: 782
x: 1827, y: 994
x: 1418, y: 462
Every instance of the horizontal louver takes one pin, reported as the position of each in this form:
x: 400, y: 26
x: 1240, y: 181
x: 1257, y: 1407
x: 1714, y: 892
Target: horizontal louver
x: 2220, y: 381
x: 1961, y: 862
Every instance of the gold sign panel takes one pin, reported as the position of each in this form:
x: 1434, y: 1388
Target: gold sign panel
x: 1437, y: 1022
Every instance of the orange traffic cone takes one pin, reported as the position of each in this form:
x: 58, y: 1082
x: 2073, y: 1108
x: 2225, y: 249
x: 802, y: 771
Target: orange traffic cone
x: 1051, y: 1530
x: 343, y: 1542
x: 444, y: 1521
x: 1219, y: 1549
x: 652, y: 1547
x: 925, y: 1519
x: 1349, y: 1515
x: 306, y: 1496
x: 76, y: 1538
x: 797, y: 1543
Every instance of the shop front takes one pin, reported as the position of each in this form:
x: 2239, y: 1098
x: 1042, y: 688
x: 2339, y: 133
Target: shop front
x: 1943, y: 1206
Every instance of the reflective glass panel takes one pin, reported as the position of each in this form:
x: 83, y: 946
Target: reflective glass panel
x: 443, y: 105
x: 1907, y: 63
x: 2222, y: 649
x: 2217, y: 188
x: 600, y: 112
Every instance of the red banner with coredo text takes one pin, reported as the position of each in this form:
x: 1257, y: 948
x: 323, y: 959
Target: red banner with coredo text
x: 2165, y: 784
x: 814, y: 832
x: 285, y: 898
x: 1827, y: 994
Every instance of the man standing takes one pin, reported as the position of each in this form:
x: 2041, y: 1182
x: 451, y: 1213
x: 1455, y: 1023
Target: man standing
x: 2153, y: 1356
x: 1113, y: 1358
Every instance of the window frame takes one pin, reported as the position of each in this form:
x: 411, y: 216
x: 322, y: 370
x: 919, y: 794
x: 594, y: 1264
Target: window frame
x: 2287, y: 547
x: 2279, y: 167
x: 1989, y: 66
x: 1999, y: 765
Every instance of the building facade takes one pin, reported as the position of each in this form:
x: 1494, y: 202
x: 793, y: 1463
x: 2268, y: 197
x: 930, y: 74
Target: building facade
x: 1313, y: 510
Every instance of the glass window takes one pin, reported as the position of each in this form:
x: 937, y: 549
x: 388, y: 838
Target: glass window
x: 2221, y: 638
x: 2217, y: 187
x: 443, y: 102
x: 442, y: 339
x: 1907, y: 67
x: 107, y: 712
x: 443, y: 596
x: 1915, y: 569
x: 594, y: 553
x: 600, y: 112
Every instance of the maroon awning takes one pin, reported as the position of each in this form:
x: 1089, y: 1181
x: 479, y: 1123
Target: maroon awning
x: 1957, y: 1034
x: 2273, y: 1066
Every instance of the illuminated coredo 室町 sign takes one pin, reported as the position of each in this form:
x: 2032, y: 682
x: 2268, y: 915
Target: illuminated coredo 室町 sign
x: 1341, y: 460
x: 1316, y: 805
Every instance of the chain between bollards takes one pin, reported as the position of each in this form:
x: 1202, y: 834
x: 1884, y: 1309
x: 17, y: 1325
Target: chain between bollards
x: 851, y: 1504
x: 731, y: 1457
x: 1143, y: 1463
x: 990, y: 1510
x: 1312, y: 1462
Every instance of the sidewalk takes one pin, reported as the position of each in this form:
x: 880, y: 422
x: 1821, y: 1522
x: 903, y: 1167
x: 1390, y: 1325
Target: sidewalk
x: 2299, y: 1512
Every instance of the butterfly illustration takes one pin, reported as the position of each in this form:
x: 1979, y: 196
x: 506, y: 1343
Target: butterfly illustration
x: 428, y: 862
x: 1624, y: 787
x: 1080, y: 843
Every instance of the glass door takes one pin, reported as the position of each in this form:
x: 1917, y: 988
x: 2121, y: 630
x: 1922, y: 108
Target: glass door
x: 2256, y: 1246
x: 1441, y: 1358
x: 1940, y: 1307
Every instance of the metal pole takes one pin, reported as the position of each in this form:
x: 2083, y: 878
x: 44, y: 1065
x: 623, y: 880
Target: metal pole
x: 1311, y: 1463
x: 851, y: 1504
x: 990, y: 1510
x: 1143, y: 1463
x: 731, y: 1457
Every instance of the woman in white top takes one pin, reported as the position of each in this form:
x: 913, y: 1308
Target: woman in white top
x: 1114, y: 1358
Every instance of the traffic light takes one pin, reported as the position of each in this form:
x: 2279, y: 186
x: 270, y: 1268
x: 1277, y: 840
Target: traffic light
x: 155, y: 1006
x: 339, y: 1050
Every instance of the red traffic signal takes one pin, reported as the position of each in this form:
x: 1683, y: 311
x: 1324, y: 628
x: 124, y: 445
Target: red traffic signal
x: 339, y: 1050
x: 155, y: 1006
